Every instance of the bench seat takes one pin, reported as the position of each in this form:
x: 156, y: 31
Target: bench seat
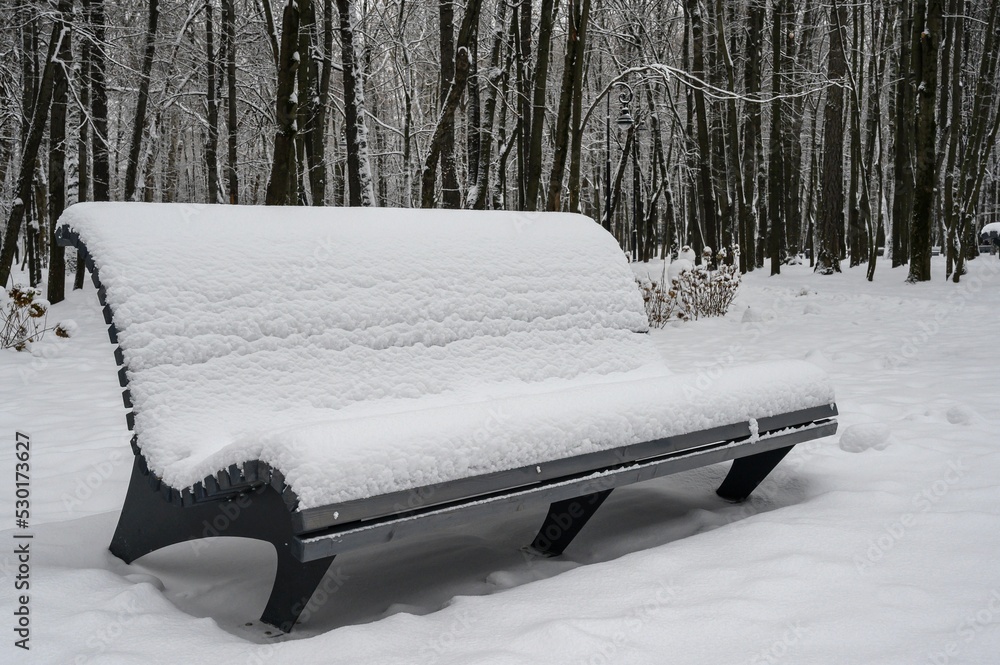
x: 350, y: 373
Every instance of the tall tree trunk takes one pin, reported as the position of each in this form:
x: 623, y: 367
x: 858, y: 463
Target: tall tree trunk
x: 319, y: 179
x: 523, y: 21
x: 496, y: 74
x: 547, y: 10
x: 776, y: 163
x: 232, y: 122
x: 744, y: 211
x: 473, y: 147
x: 954, y: 132
x: 212, y: 147
x: 308, y: 93
x: 359, y: 174
x: 709, y: 231
x: 139, y: 120
x: 29, y: 152
x: 982, y: 142
x: 576, y: 147
x: 927, y: 34
x: 57, y: 153
x: 830, y: 221
x: 286, y: 112
x: 451, y: 99
x: 902, y: 199
x: 99, y: 101
x: 451, y: 196
x: 574, y: 52
x: 83, y: 141
x: 753, y: 147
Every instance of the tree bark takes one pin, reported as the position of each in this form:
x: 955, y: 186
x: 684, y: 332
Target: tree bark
x: 902, y: 199
x: 212, y: 147
x: 451, y: 99
x: 83, y: 141
x: 496, y: 74
x: 286, y: 112
x: 29, y: 153
x: 709, y: 234
x: 139, y: 120
x: 451, y: 196
x: 359, y: 175
x: 57, y: 154
x: 99, y: 102
x: 753, y: 148
x: 776, y: 162
x: 927, y: 19
x: 576, y: 148
x: 830, y: 221
x: 576, y: 17
x: 547, y: 10
x: 232, y: 122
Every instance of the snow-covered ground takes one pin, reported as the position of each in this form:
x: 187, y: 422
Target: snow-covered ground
x: 879, y: 545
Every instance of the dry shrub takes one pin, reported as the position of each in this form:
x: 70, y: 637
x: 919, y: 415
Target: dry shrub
x: 694, y: 293
x: 23, y: 314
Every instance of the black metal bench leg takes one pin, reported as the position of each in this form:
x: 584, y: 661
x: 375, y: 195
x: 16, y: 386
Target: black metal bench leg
x: 748, y: 472
x: 149, y: 521
x: 564, y: 521
x: 294, y: 584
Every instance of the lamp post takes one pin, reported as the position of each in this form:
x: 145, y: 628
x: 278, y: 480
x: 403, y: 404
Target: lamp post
x: 624, y: 122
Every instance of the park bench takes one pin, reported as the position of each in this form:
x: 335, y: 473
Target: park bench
x: 328, y: 379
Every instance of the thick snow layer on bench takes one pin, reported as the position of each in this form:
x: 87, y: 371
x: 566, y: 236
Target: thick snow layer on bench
x: 368, y: 351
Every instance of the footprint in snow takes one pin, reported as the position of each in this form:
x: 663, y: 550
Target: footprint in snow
x: 961, y: 415
x: 139, y: 578
x: 859, y: 438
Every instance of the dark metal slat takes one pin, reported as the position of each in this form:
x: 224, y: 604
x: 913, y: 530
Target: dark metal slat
x: 317, y: 546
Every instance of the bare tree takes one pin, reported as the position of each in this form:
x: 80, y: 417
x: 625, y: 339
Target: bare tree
x: 925, y: 47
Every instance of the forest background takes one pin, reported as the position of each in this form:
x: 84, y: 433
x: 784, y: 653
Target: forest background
x: 789, y: 128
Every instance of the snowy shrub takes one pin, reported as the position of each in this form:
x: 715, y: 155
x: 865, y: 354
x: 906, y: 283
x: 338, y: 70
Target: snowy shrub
x: 689, y: 291
x: 660, y: 301
x: 23, y: 314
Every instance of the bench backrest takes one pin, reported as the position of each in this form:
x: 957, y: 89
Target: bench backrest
x: 284, y: 308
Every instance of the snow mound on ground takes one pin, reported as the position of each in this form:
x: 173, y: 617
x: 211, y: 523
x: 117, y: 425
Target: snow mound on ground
x: 868, y: 436
x: 961, y: 415
x: 678, y: 266
x: 818, y: 358
x: 751, y: 315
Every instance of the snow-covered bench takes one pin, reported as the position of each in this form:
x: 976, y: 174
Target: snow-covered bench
x: 326, y: 379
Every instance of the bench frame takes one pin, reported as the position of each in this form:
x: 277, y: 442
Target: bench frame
x: 252, y: 500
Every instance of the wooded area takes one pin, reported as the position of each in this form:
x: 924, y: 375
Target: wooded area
x: 791, y: 128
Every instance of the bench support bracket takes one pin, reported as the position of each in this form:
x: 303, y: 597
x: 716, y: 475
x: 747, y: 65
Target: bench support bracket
x: 564, y: 521
x: 748, y: 472
x: 150, y: 521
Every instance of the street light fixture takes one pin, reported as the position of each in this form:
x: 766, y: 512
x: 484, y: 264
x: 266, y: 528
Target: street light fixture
x: 625, y: 122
